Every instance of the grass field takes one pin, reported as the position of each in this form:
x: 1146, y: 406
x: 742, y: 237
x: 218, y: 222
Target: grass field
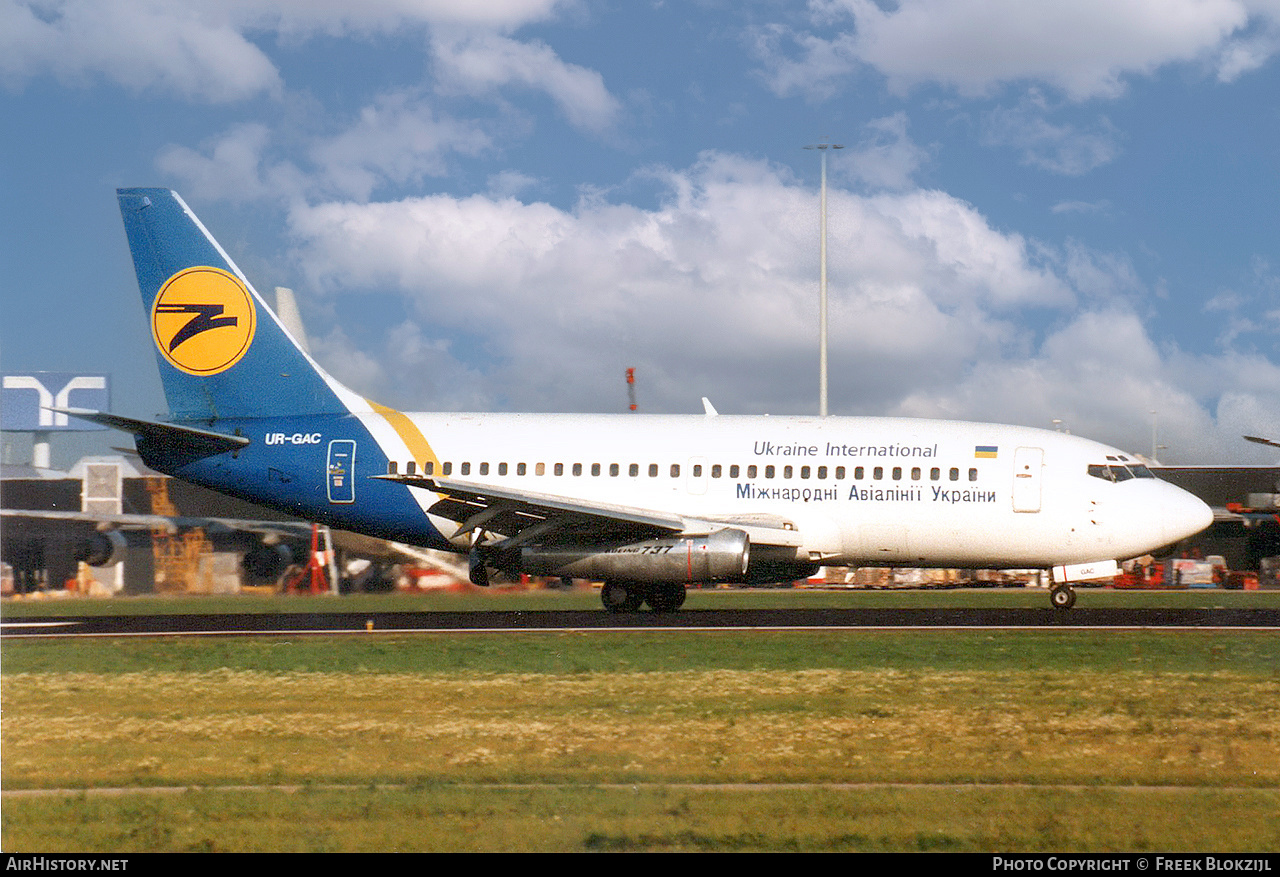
x: 840, y: 740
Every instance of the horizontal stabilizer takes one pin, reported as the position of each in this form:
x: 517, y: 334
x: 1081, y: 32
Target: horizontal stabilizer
x: 186, y: 440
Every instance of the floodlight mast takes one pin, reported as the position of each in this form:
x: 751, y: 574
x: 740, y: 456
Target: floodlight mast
x: 822, y: 281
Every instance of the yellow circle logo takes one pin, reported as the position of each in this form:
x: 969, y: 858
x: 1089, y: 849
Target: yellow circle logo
x: 203, y: 320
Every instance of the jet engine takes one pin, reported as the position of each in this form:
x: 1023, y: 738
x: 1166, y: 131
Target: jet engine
x: 722, y: 556
x: 103, y: 548
x: 267, y: 562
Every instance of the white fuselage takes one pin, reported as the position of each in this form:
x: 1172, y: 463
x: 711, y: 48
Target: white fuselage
x: 859, y: 491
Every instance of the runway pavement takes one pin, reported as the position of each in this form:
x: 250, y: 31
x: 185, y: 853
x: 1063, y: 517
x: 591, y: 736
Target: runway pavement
x: 702, y: 619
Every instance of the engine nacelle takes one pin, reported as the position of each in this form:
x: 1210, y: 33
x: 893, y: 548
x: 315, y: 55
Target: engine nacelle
x: 267, y: 562
x: 722, y: 556
x: 102, y: 549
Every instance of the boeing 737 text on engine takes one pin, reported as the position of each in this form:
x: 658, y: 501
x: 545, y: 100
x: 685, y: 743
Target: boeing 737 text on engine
x: 646, y: 504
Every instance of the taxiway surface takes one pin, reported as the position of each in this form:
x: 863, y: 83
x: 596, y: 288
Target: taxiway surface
x: 698, y: 619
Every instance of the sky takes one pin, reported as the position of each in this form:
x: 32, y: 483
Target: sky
x: 1054, y: 214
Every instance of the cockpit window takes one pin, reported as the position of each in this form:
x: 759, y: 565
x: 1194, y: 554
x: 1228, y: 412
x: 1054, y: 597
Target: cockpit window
x: 1116, y: 473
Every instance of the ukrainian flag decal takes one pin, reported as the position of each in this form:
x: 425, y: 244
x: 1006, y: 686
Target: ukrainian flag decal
x: 985, y: 451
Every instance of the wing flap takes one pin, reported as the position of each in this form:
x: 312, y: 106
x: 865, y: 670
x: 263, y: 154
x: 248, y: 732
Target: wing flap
x: 514, y: 512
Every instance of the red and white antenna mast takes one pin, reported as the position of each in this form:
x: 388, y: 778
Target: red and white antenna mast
x: 631, y: 387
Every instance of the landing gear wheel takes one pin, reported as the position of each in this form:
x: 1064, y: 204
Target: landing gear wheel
x: 665, y: 597
x: 622, y: 596
x: 1062, y: 597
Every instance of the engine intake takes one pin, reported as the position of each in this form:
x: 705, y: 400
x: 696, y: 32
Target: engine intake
x: 102, y: 549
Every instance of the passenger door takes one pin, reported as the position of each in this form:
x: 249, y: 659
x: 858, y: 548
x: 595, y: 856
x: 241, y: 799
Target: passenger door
x: 341, y: 471
x: 1027, y: 465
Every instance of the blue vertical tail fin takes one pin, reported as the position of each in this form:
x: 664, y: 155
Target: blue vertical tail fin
x: 222, y: 352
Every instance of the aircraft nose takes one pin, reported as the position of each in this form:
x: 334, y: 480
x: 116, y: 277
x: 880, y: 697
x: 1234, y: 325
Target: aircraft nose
x: 1184, y: 514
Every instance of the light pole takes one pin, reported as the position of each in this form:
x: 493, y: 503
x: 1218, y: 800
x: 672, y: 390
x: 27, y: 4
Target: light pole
x: 822, y: 283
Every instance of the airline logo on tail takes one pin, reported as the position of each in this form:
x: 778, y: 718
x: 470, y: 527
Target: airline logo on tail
x: 203, y: 320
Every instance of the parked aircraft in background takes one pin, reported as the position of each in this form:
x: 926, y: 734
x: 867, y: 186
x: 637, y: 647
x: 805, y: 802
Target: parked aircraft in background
x: 646, y: 504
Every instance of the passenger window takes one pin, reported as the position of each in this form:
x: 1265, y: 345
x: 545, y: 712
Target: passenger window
x: 540, y: 469
x: 751, y: 471
x: 633, y: 470
x: 577, y: 468
x: 675, y: 470
x: 502, y: 468
x: 768, y: 471
x: 697, y: 470
x: 520, y: 468
x: 935, y: 474
x: 733, y: 471
x: 786, y: 471
x: 859, y: 473
x: 915, y: 474
x: 446, y: 468
x: 429, y: 468
x: 804, y: 471
x: 613, y: 470
x: 466, y: 468
x: 559, y: 469
x: 595, y: 468
x: 878, y: 473
x: 410, y: 468
x: 973, y: 474
x: 839, y: 473
x: 897, y: 473
x: 822, y: 472
x: 391, y: 467
x: 484, y: 468
x: 954, y: 474
x: 715, y: 470
x: 653, y: 470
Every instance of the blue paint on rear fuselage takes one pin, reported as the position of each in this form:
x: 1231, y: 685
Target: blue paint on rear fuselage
x: 287, y: 467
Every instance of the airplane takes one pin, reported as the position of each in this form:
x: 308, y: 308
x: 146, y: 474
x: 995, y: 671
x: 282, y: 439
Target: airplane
x: 645, y: 504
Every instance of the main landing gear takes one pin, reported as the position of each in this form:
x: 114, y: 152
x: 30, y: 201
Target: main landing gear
x: 630, y: 596
x: 1062, y: 596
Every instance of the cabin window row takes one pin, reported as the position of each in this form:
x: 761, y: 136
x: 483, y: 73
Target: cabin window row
x: 821, y: 473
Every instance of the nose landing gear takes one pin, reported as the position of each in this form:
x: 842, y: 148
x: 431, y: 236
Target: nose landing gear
x: 1062, y: 596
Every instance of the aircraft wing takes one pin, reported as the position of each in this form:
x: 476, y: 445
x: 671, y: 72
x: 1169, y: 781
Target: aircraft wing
x: 522, y: 516
x: 170, y: 523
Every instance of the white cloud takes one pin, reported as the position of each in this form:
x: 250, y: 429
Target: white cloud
x: 201, y: 49
x: 1085, y: 48
x: 1102, y: 207
x: 395, y: 140
x: 1102, y: 376
x: 886, y: 158
x: 1061, y: 149
x: 140, y: 44
x: 703, y: 290
x: 233, y: 168
x: 482, y: 62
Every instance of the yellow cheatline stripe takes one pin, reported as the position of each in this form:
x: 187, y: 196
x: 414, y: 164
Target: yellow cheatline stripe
x: 408, y: 431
